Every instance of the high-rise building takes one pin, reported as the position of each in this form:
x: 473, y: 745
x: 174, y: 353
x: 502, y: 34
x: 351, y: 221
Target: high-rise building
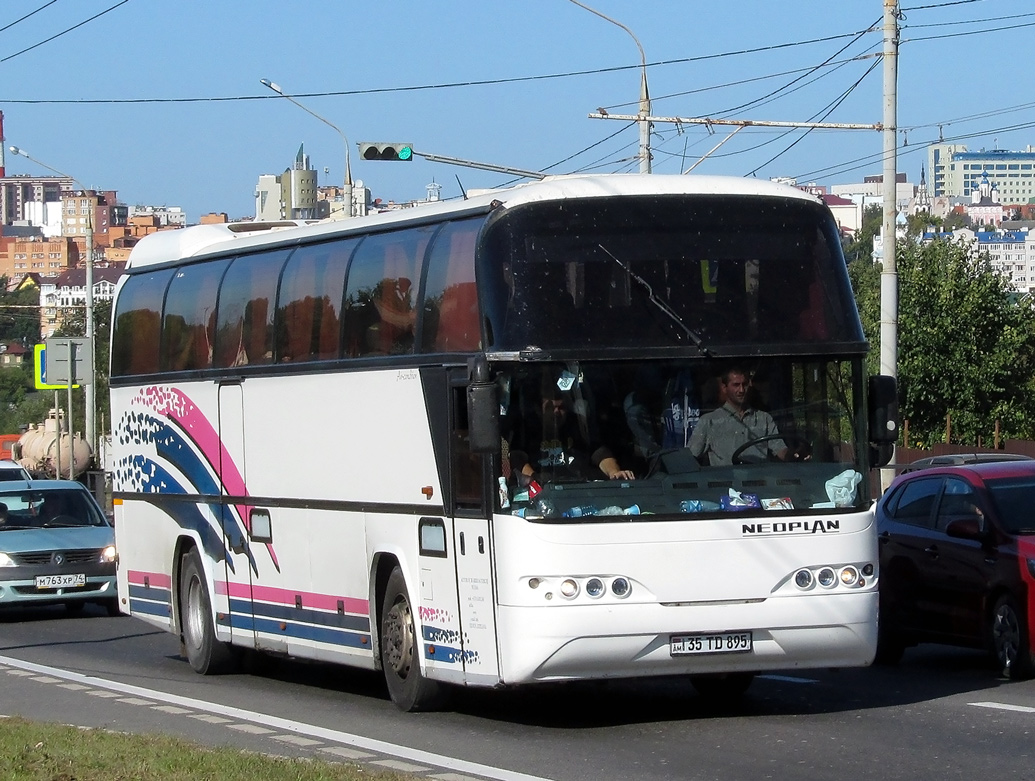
x: 956, y: 172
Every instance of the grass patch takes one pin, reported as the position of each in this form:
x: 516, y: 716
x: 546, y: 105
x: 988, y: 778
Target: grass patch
x: 34, y: 751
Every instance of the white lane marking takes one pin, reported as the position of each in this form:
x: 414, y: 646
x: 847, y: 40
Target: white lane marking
x: 251, y: 729
x: 346, y: 753
x: 209, y: 718
x: 174, y: 709
x: 1003, y: 706
x: 277, y: 723
x: 788, y: 679
x: 402, y: 767
x: 297, y: 740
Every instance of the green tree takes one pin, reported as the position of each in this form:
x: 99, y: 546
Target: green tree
x: 861, y: 246
x: 965, y: 346
x: 865, y: 278
x: 19, y: 314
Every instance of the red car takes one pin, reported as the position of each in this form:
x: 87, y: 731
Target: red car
x: 957, y: 561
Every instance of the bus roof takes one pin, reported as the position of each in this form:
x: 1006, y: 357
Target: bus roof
x: 201, y: 240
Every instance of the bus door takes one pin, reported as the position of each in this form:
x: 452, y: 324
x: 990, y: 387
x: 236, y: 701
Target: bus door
x: 237, y: 568
x: 472, y: 540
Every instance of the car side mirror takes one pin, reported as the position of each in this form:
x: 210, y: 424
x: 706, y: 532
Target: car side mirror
x: 969, y: 528
x: 883, y: 410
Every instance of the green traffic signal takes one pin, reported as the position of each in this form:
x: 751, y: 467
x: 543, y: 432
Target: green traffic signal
x: 384, y: 151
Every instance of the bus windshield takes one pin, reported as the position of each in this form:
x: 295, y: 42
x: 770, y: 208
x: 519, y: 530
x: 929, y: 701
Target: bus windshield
x: 696, y: 436
x: 705, y: 271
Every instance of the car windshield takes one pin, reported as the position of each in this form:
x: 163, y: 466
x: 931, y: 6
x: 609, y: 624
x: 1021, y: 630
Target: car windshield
x: 48, y: 509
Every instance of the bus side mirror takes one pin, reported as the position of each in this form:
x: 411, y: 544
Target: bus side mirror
x: 883, y: 410
x: 483, y: 410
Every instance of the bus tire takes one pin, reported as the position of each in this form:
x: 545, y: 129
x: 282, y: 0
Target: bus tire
x: 400, y: 652
x: 206, y: 654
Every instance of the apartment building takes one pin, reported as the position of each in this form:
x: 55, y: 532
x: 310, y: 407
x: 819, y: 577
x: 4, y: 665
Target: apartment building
x: 957, y: 172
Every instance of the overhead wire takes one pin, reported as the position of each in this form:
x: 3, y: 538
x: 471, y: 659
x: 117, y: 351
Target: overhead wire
x: 31, y: 13
x: 63, y: 32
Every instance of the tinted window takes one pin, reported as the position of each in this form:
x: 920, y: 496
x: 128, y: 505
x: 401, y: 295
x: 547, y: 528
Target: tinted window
x: 958, y: 501
x: 138, y: 324
x: 244, y: 332
x: 380, y: 301
x: 309, y: 304
x: 637, y: 271
x: 189, y: 318
x: 1014, y: 499
x: 916, y: 501
x: 451, y: 321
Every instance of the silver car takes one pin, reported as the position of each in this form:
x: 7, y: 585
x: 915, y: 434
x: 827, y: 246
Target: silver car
x: 56, y: 546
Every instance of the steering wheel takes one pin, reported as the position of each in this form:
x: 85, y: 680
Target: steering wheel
x: 789, y: 439
x: 63, y: 520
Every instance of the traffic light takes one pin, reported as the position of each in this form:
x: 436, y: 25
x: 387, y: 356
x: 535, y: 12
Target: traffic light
x: 382, y: 151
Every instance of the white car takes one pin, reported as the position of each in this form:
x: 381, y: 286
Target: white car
x: 12, y: 470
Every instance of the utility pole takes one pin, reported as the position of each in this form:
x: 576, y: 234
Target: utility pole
x: 889, y: 273
x: 643, y: 118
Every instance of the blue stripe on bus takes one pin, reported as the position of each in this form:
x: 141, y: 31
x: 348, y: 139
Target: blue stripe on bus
x: 306, y: 616
x: 150, y: 608
x: 150, y: 593
x: 442, y: 653
x: 300, y: 631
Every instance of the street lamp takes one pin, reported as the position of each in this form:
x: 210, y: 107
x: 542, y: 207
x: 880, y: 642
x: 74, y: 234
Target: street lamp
x: 645, y: 124
x: 90, y: 383
x: 348, y: 167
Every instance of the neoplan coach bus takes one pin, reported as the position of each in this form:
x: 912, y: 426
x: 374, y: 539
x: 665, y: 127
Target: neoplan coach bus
x: 455, y: 442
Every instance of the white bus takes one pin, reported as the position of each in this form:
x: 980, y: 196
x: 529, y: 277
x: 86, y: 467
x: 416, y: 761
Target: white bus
x: 330, y: 440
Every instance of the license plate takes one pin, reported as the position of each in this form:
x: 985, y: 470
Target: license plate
x: 60, y: 581
x: 719, y: 643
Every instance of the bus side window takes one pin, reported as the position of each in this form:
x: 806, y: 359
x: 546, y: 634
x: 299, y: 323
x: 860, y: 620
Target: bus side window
x: 138, y: 324
x: 309, y: 306
x: 244, y: 331
x: 380, y: 299
x: 451, y: 321
x: 468, y: 475
x: 189, y: 318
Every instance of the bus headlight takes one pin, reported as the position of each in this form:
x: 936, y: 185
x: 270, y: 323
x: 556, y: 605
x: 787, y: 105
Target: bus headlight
x: 621, y: 587
x: 826, y: 577
x: 849, y: 576
x: 803, y: 579
x: 594, y: 587
x: 569, y: 587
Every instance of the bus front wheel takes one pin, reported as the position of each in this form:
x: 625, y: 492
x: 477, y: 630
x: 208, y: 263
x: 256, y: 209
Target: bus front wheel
x: 206, y: 654
x: 400, y: 652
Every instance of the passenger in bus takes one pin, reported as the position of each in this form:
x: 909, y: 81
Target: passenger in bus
x: 719, y: 433
x: 561, y: 445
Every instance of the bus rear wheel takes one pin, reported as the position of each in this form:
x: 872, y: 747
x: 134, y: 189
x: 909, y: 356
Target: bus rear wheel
x: 400, y: 652
x: 206, y: 654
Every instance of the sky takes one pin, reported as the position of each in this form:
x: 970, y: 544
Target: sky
x: 162, y: 101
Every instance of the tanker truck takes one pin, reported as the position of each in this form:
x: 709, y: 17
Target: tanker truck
x: 47, y: 447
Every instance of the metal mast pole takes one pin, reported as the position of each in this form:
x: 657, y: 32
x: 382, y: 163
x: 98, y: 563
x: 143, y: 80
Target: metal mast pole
x: 349, y: 208
x: 889, y: 274
x: 643, y: 117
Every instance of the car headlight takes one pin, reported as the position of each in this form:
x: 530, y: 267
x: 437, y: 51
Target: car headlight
x: 108, y: 555
x: 6, y: 561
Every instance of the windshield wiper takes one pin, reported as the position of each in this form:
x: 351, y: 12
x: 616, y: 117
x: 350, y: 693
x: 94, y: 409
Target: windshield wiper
x: 662, y: 305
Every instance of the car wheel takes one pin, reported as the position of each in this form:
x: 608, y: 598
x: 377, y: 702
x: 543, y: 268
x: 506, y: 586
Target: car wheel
x: 721, y: 687
x: 1009, y: 636
x: 400, y: 652
x: 206, y: 654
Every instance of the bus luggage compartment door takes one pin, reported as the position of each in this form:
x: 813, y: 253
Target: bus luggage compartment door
x: 477, y: 611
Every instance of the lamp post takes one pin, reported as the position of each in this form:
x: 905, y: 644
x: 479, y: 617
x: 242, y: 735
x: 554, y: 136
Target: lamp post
x: 350, y: 211
x: 90, y: 383
x: 644, y: 122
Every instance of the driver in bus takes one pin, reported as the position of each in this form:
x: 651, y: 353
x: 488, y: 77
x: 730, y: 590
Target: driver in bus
x: 721, y: 432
